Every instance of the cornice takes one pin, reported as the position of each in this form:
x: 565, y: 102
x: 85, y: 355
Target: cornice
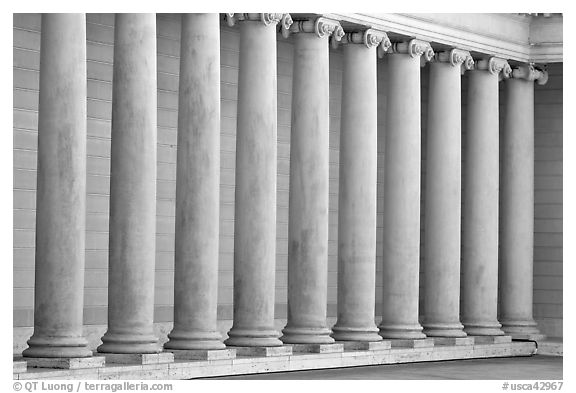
x: 481, y: 42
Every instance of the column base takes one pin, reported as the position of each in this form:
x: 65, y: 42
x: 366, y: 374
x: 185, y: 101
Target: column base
x: 305, y: 335
x: 194, y: 340
x: 522, y: 330
x: 57, y: 347
x: 444, y: 330
x: 344, y: 333
x: 253, y: 338
x: 199, y: 354
x: 483, y: 329
x: 139, y: 358
x: 67, y: 363
x: 129, y: 344
x: 401, y: 332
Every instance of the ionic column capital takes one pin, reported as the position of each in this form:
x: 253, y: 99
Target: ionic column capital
x: 414, y: 48
x: 456, y: 57
x: 530, y: 73
x: 321, y: 26
x: 266, y: 18
x: 370, y: 38
x: 495, y: 65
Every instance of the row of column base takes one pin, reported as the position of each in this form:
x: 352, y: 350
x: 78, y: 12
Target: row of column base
x: 171, y: 355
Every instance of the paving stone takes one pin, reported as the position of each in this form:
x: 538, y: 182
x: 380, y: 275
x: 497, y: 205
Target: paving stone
x: 366, y: 346
x: 284, y: 350
x: 139, y: 358
x: 66, y: 363
x: 318, y: 348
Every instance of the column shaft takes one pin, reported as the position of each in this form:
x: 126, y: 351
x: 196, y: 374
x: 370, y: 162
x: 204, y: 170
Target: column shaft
x: 357, y: 198
x: 308, y: 205
x: 197, y: 187
x: 442, y: 222
x: 480, y: 207
x: 517, y: 214
x: 61, y: 190
x: 402, y: 200
x: 132, y: 188
x: 255, y: 203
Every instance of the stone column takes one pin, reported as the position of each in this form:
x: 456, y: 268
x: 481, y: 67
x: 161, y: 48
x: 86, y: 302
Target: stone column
x: 197, y: 187
x: 517, y: 205
x: 132, y: 188
x: 402, y: 192
x: 480, y: 201
x: 443, y: 201
x: 255, y: 203
x: 308, y: 222
x: 61, y: 190
x: 357, y: 189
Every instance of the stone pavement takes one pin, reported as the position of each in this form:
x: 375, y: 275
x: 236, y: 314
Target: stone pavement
x: 526, y: 368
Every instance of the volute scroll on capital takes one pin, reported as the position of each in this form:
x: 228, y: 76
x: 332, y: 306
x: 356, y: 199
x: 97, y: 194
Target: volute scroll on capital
x: 370, y: 38
x: 457, y: 58
x: 530, y: 73
x: 284, y: 19
x: 321, y: 26
x: 496, y: 66
x: 414, y: 48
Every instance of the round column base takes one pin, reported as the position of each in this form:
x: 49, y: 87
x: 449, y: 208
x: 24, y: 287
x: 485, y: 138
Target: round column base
x: 57, y: 347
x: 306, y: 335
x: 363, y: 334
x: 246, y: 337
x: 192, y: 340
x: 483, y: 329
x: 129, y: 343
x: 404, y: 332
x: 444, y: 329
x: 520, y: 327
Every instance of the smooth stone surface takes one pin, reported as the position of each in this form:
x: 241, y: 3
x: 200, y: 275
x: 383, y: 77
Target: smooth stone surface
x: 357, y: 197
x: 366, y: 345
x: 139, y: 358
x: 528, y: 336
x: 491, y: 339
x: 453, y: 340
x: 255, y: 192
x: 60, y: 242
x: 285, y: 350
x: 19, y: 366
x: 218, y: 354
x: 67, y: 363
x: 419, y: 343
x: 441, y: 286
x: 132, y: 233
x: 480, y: 201
x: 401, y: 211
x: 197, y: 187
x: 308, y: 199
x: 318, y: 348
x: 516, y: 243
